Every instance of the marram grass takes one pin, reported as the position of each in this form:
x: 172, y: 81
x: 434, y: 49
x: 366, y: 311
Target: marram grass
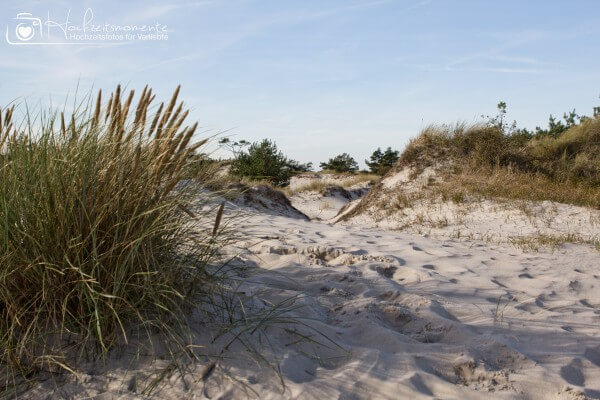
x: 95, y: 232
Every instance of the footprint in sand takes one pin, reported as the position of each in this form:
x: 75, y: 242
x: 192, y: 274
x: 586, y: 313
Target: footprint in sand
x: 567, y: 328
x: 592, y: 394
x: 575, y: 286
x: 539, y: 301
x: 586, y: 303
x: 299, y: 369
x: 525, y: 275
x: 572, y: 373
x: 418, y: 384
x: 387, y: 271
x: 593, y: 354
x: 408, y: 275
x: 498, y: 283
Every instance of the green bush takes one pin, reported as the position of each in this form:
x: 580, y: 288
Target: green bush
x: 381, y: 162
x: 340, y: 163
x: 95, y: 230
x: 264, y: 161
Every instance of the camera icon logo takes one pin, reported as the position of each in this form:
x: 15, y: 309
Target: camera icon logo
x: 27, y: 27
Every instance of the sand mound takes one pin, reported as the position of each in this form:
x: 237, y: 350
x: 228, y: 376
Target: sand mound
x: 267, y: 200
x: 358, y: 311
x: 410, y: 200
x: 326, y: 204
x: 322, y: 196
x: 306, y: 180
x: 388, y: 315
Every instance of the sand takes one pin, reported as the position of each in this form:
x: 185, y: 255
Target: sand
x: 389, y: 314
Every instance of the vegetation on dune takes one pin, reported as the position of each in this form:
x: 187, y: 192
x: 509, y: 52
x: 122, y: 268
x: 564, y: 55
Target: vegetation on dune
x: 554, y: 129
x: 340, y: 163
x: 108, y: 245
x: 263, y: 161
x: 319, y: 185
x: 96, y: 231
x: 381, y: 162
x: 559, y: 163
x: 574, y: 155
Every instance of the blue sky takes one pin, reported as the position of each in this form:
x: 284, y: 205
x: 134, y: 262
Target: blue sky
x: 325, y: 77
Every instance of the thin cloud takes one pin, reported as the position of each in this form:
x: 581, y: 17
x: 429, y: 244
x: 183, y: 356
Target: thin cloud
x: 514, y: 70
x: 358, y: 6
x: 152, y: 13
x: 340, y: 10
x: 419, y: 4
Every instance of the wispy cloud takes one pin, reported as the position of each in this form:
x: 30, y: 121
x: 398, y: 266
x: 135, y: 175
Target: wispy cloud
x: 150, y: 14
x: 533, y: 71
x: 519, y: 60
x: 419, y: 4
x: 360, y: 6
x: 498, y: 58
x: 344, y: 9
x: 507, y: 42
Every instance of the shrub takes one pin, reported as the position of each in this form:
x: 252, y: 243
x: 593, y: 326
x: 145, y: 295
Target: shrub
x: 381, y: 162
x: 476, y: 144
x: 574, y: 155
x: 264, y: 161
x: 94, y: 235
x: 340, y: 163
x: 569, y: 162
x: 556, y: 127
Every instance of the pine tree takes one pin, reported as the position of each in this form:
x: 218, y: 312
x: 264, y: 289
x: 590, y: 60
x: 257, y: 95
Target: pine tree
x: 341, y: 163
x: 381, y: 162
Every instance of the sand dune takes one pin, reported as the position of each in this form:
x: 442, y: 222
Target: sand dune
x: 424, y: 317
x: 384, y: 314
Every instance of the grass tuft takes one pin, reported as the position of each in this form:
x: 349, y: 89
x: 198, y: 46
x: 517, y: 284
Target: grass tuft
x: 93, y: 234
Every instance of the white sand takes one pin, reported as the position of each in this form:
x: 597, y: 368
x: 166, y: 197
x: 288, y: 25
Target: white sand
x: 491, y: 221
x: 326, y: 207
x: 415, y: 316
x: 426, y: 317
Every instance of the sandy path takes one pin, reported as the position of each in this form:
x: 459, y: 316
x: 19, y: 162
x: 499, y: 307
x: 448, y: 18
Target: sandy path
x: 411, y: 317
x: 426, y: 317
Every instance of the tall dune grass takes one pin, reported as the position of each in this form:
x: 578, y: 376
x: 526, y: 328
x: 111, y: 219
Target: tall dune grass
x: 485, y: 160
x: 95, y: 229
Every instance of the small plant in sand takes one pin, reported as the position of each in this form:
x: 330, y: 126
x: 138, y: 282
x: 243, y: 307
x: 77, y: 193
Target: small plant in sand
x: 536, y: 242
x: 97, y: 240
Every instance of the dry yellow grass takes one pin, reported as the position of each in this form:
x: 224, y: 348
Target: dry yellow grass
x: 510, y: 184
x: 483, y: 160
x: 544, y: 241
x: 345, y: 181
